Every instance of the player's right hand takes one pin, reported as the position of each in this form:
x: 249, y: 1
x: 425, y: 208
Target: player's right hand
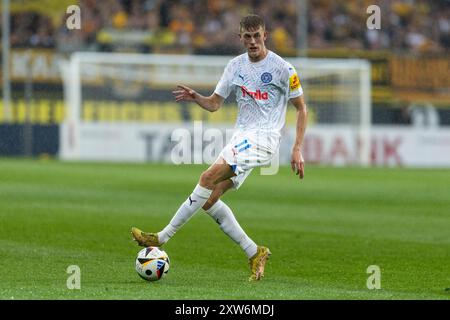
x: 183, y: 93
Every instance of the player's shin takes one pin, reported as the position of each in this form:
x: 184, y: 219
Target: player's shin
x: 223, y: 215
x: 194, y: 202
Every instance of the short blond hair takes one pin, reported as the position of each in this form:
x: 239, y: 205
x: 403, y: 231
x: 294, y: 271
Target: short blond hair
x: 251, y: 22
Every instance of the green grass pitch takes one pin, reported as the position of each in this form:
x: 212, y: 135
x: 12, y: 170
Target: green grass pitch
x: 323, y: 232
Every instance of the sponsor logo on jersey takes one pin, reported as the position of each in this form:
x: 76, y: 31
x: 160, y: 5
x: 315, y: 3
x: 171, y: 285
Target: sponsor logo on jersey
x: 257, y: 95
x: 294, y: 82
x: 266, y: 77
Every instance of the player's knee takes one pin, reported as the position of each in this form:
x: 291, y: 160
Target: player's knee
x: 207, y: 179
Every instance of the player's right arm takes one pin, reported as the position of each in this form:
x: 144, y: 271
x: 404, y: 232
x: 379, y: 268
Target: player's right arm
x: 211, y: 103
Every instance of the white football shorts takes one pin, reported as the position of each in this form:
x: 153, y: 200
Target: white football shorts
x: 248, y: 150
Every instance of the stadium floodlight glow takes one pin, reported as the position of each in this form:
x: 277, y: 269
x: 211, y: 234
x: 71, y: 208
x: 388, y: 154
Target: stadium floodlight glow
x: 338, y: 91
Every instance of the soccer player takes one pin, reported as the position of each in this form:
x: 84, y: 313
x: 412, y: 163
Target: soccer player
x: 263, y: 83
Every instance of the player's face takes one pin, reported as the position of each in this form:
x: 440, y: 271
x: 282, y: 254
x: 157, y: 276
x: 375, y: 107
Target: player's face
x: 253, y: 40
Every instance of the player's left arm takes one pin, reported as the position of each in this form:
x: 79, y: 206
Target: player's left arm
x: 297, y: 162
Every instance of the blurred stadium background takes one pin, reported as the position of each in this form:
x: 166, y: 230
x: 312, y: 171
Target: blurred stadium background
x: 409, y: 62
x: 390, y: 85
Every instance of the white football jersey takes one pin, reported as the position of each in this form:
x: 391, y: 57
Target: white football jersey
x: 262, y: 90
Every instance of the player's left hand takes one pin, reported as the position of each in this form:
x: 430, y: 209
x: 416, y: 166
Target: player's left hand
x: 297, y: 163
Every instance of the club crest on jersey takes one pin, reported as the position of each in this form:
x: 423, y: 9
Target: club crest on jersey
x: 257, y: 95
x: 266, y: 77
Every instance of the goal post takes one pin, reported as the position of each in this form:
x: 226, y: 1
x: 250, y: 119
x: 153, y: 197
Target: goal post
x: 108, y: 95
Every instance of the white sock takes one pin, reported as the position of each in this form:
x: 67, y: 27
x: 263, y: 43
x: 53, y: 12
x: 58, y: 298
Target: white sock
x: 223, y: 215
x: 195, y: 201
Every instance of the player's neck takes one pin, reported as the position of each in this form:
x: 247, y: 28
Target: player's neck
x: 260, y: 57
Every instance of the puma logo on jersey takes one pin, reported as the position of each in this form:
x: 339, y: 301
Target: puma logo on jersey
x: 257, y: 95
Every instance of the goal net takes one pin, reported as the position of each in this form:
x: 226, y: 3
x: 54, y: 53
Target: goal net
x: 120, y: 106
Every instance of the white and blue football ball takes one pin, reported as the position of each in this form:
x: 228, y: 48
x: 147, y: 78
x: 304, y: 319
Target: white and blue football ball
x: 152, y: 263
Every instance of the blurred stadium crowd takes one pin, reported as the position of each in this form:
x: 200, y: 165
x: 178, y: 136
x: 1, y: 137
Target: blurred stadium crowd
x: 210, y: 26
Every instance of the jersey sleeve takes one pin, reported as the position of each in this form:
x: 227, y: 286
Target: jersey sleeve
x: 225, y: 84
x: 295, y: 87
